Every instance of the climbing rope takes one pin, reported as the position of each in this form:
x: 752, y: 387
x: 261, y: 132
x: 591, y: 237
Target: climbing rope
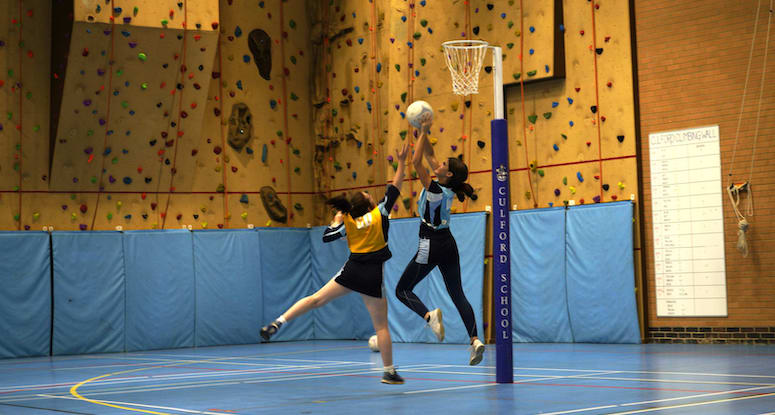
x: 734, y: 189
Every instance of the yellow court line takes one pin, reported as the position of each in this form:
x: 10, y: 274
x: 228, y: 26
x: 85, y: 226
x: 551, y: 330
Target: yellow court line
x: 74, y: 392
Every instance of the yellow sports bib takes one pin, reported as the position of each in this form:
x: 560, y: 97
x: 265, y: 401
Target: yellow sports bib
x: 364, y: 234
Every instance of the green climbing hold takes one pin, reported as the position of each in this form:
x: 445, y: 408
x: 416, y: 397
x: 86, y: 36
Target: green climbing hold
x: 144, y: 85
x: 398, y: 67
x: 516, y: 75
x: 292, y: 24
x: 510, y: 45
x: 16, y: 217
x: 220, y: 188
x: 279, y: 133
x: 296, y: 151
x: 135, y: 10
x: 298, y: 206
x: 294, y: 97
x: 565, y: 181
x: 114, y: 160
x: 297, y: 170
x: 29, y: 95
x: 417, y: 35
x: 337, y: 166
x: 110, y: 215
x: 510, y: 24
x: 532, y: 118
x: 540, y: 172
x: 547, y: 115
x: 422, y: 61
x: 119, y: 72
x: 407, y: 203
x: 36, y: 128
x: 293, y: 60
x: 164, y: 22
x: 532, y: 73
x: 564, y: 137
x: 403, y: 97
x: 423, y: 23
x: 395, y: 165
x: 402, y: 133
x: 142, y: 56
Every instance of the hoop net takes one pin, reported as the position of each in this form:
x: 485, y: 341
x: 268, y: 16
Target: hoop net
x: 464, y: 59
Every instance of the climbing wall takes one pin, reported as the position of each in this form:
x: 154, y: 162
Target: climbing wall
x: 24, y: 105
x: 572, y: 140
x: 349, y: 88
x: 264, y: 69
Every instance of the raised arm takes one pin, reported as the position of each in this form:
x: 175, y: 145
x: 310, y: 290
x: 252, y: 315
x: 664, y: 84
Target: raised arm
x: 419, y: 149
x: 398, y: 179
x: 335, y: 230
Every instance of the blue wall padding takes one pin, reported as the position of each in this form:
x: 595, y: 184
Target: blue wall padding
x: 286, y: 277
x: 539, y: 308
x: 89, y: 292
x: 159, y: 289
x: 406, y: 326
x: 345, y: 317
x: 25, y: 296
x: 600, y: 273
x: 228, y: 287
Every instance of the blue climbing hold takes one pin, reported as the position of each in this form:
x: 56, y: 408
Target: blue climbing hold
x: 556, y: 147
x: 264, y: 152
x: 570, y: 100
x: 357, y: 89
x: 579, y: 176
x: 532, y: 29
x: 555, y: 104
x: 237, y: 32
x: 403, y: 18
x: 360, y: 40
x: 239, y: 85
x: 246, y: 58
x: 379, y: 67
x: 244, y: 199
x: 127, y: 180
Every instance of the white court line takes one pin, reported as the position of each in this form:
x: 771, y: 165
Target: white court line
x: 139, y: 405
x: 644, y: 372
x: 669, y: 399
x: 695, y: 404
x: 493, y: 384
x: 103, y: 382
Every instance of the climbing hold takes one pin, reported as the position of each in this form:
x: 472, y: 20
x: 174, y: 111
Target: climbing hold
x: 593, y: 109
x: 556, y: 147
x: 570, y: 100
x: 556, y: 192
x: 620, y: 138
x: 621, y: 185
x: 260, y: 45
x: 480, y: 143
x: 541, y: 172
x: 579, y: 176
x: 547, y: 115
x: 572, y: 190
x: 555, y: 104
x: 565, y: 181
x: 599, y: 51
x: 532, y: 73
x: 605, y: 187
x: 532, y: 118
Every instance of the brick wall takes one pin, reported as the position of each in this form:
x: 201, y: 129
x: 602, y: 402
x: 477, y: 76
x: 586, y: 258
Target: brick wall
x: 691, y: 66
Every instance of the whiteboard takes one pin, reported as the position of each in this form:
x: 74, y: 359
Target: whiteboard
x: 688, y: 223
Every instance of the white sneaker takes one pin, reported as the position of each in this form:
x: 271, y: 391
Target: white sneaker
x: 436, y: 325
x: 477, y: 352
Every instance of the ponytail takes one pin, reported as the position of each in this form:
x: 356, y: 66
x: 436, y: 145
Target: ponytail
x: 464, y: 189
x: 340, y: 203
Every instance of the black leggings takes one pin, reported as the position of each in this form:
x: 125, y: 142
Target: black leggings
x: 443, y: 253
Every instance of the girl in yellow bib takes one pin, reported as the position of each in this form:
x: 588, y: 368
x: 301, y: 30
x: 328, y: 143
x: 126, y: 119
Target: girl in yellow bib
x: 365, y: 224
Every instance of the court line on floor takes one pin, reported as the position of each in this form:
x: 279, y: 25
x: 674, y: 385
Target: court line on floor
x: 168, y: 408
x: 667, y: 400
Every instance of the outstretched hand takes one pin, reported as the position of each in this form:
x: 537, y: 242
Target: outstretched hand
x: 337, y: 219
x: 426, y: 120
x: 401, y: 154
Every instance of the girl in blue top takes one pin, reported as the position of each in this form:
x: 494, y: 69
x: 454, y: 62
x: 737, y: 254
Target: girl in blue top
x: 437, y: 246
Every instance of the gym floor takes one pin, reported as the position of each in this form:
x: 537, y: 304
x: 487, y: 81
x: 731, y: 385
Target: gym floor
x: 343, y: 377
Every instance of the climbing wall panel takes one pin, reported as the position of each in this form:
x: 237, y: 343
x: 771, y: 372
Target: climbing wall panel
x: 25, y: 36
x: 499, y: 23
x: 263, y: 109
x: 572, y: 127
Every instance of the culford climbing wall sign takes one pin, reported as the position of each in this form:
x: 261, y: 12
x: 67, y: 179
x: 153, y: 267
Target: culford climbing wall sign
x: 688, y: 223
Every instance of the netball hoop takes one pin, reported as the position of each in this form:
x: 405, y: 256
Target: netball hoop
x: 464, y: 60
